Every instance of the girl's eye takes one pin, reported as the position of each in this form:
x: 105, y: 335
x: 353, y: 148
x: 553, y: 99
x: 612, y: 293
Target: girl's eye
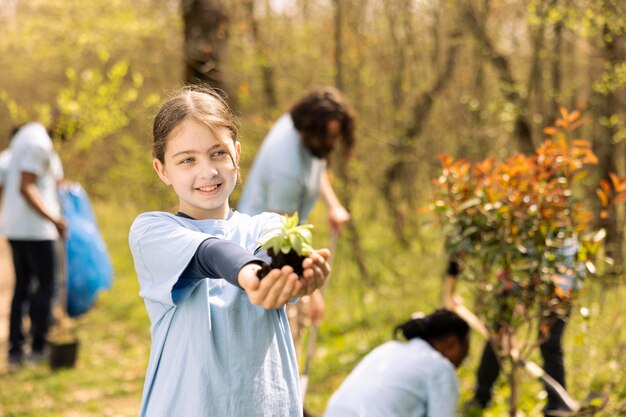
x: 186, y: 161
x: 219, y: 154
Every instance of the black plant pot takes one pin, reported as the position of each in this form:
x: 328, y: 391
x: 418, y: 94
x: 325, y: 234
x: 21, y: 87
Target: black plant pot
x: 63, y: 354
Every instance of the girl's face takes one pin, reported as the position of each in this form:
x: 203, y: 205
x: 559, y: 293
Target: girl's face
x: 198, y: 166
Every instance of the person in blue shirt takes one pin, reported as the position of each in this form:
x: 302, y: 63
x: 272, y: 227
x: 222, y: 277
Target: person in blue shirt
x: 221, y: 344
x: 289, y: 174
x: 416, y: 378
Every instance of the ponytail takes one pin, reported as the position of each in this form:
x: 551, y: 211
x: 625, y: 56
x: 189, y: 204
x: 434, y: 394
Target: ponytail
x: 435, y: 326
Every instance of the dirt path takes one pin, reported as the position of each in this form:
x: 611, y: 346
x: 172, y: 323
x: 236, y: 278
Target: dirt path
x: 6, y: 292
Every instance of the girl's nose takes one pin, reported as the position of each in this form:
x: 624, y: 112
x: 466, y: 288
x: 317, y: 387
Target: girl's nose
x: 209, y: 169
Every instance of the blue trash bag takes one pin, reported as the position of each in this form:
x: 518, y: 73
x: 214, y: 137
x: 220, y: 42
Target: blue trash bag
x: 89, y: 268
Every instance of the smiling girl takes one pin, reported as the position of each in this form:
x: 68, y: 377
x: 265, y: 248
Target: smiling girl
x: 220, y: 338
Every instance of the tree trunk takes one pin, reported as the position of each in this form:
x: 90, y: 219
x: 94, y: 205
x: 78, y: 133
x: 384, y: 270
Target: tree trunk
x: 266, y: 70
x: 534, y: 87
x: 206, y: 35
x: 508, y: 86
x: 607, y: 150
x: 338, y: 45
x: 513, y: 381
x: 347, y: 183
x: 393, y: 12
x: 555, y: 73
x: 399, y: 180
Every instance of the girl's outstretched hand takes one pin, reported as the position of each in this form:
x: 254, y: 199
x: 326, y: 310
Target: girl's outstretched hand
x: 280, y: 286
x: 316, y: 270
x: 275, y: 290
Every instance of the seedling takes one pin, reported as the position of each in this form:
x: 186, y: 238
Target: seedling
x: 288, y: 244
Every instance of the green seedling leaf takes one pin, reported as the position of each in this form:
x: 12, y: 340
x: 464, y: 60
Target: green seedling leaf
x: 289, y: 236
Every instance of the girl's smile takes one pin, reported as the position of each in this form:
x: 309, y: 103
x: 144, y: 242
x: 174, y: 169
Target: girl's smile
x: 201, y: 165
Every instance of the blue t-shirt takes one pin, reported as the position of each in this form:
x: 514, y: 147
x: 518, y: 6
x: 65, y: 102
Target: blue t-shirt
x: 285, y: 176
x: 213, y: 352
x: 398, y: 379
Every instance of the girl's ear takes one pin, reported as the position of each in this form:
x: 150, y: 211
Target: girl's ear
x: 237, y: 152
x: 160, y: 170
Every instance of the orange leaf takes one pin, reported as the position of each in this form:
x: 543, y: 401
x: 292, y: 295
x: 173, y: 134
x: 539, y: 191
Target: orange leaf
x: 603, y: 198
x: 550, y: 131
x: 619, y: 184
x: 620, y: 198
x: 576, y: 125
x: 606, y: 187
x: 591, y: 158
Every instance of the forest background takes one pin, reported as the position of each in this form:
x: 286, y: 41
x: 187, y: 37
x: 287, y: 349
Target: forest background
x: 471, y: 78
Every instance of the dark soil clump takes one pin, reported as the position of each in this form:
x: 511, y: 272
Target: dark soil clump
x: 278, y: 261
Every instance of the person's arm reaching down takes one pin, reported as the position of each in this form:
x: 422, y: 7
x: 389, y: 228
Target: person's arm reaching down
x: 338, y: 216
x: 28, y: 188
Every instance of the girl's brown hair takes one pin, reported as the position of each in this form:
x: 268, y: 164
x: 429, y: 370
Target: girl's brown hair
x: 200, y: 103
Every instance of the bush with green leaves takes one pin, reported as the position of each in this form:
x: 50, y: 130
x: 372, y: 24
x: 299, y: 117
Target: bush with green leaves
x: 525, y: 233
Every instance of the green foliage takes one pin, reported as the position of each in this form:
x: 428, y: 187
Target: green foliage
x: 524, y: 234
x: 290, y: 236
x: 520, y: 224
x: 89, y: 59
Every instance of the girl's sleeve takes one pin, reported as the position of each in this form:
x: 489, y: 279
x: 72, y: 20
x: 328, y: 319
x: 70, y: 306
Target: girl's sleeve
x: 162, y: 248
x: 217, y: 258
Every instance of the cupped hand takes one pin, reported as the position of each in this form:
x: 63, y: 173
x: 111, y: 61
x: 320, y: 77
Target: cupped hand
x: 282, y: 285
x: 316, y: 270
x: 275, y: 290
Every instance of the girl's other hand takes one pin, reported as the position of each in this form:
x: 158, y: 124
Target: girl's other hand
x: 316, y: 270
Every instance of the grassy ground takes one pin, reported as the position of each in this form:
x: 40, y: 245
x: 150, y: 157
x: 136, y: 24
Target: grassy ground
x: 114, y: 346
x: 115, y: 339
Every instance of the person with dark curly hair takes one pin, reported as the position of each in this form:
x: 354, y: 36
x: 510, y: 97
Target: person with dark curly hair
x: 289, y: 171
x: 289, y: 174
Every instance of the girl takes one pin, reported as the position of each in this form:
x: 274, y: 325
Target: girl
x: 220, y: 347
x: 412, y: 379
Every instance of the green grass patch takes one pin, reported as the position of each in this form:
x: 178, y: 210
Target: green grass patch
x: 115, y: 337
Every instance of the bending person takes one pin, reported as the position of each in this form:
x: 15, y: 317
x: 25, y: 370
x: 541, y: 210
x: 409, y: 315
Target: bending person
x: 416, y: 378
